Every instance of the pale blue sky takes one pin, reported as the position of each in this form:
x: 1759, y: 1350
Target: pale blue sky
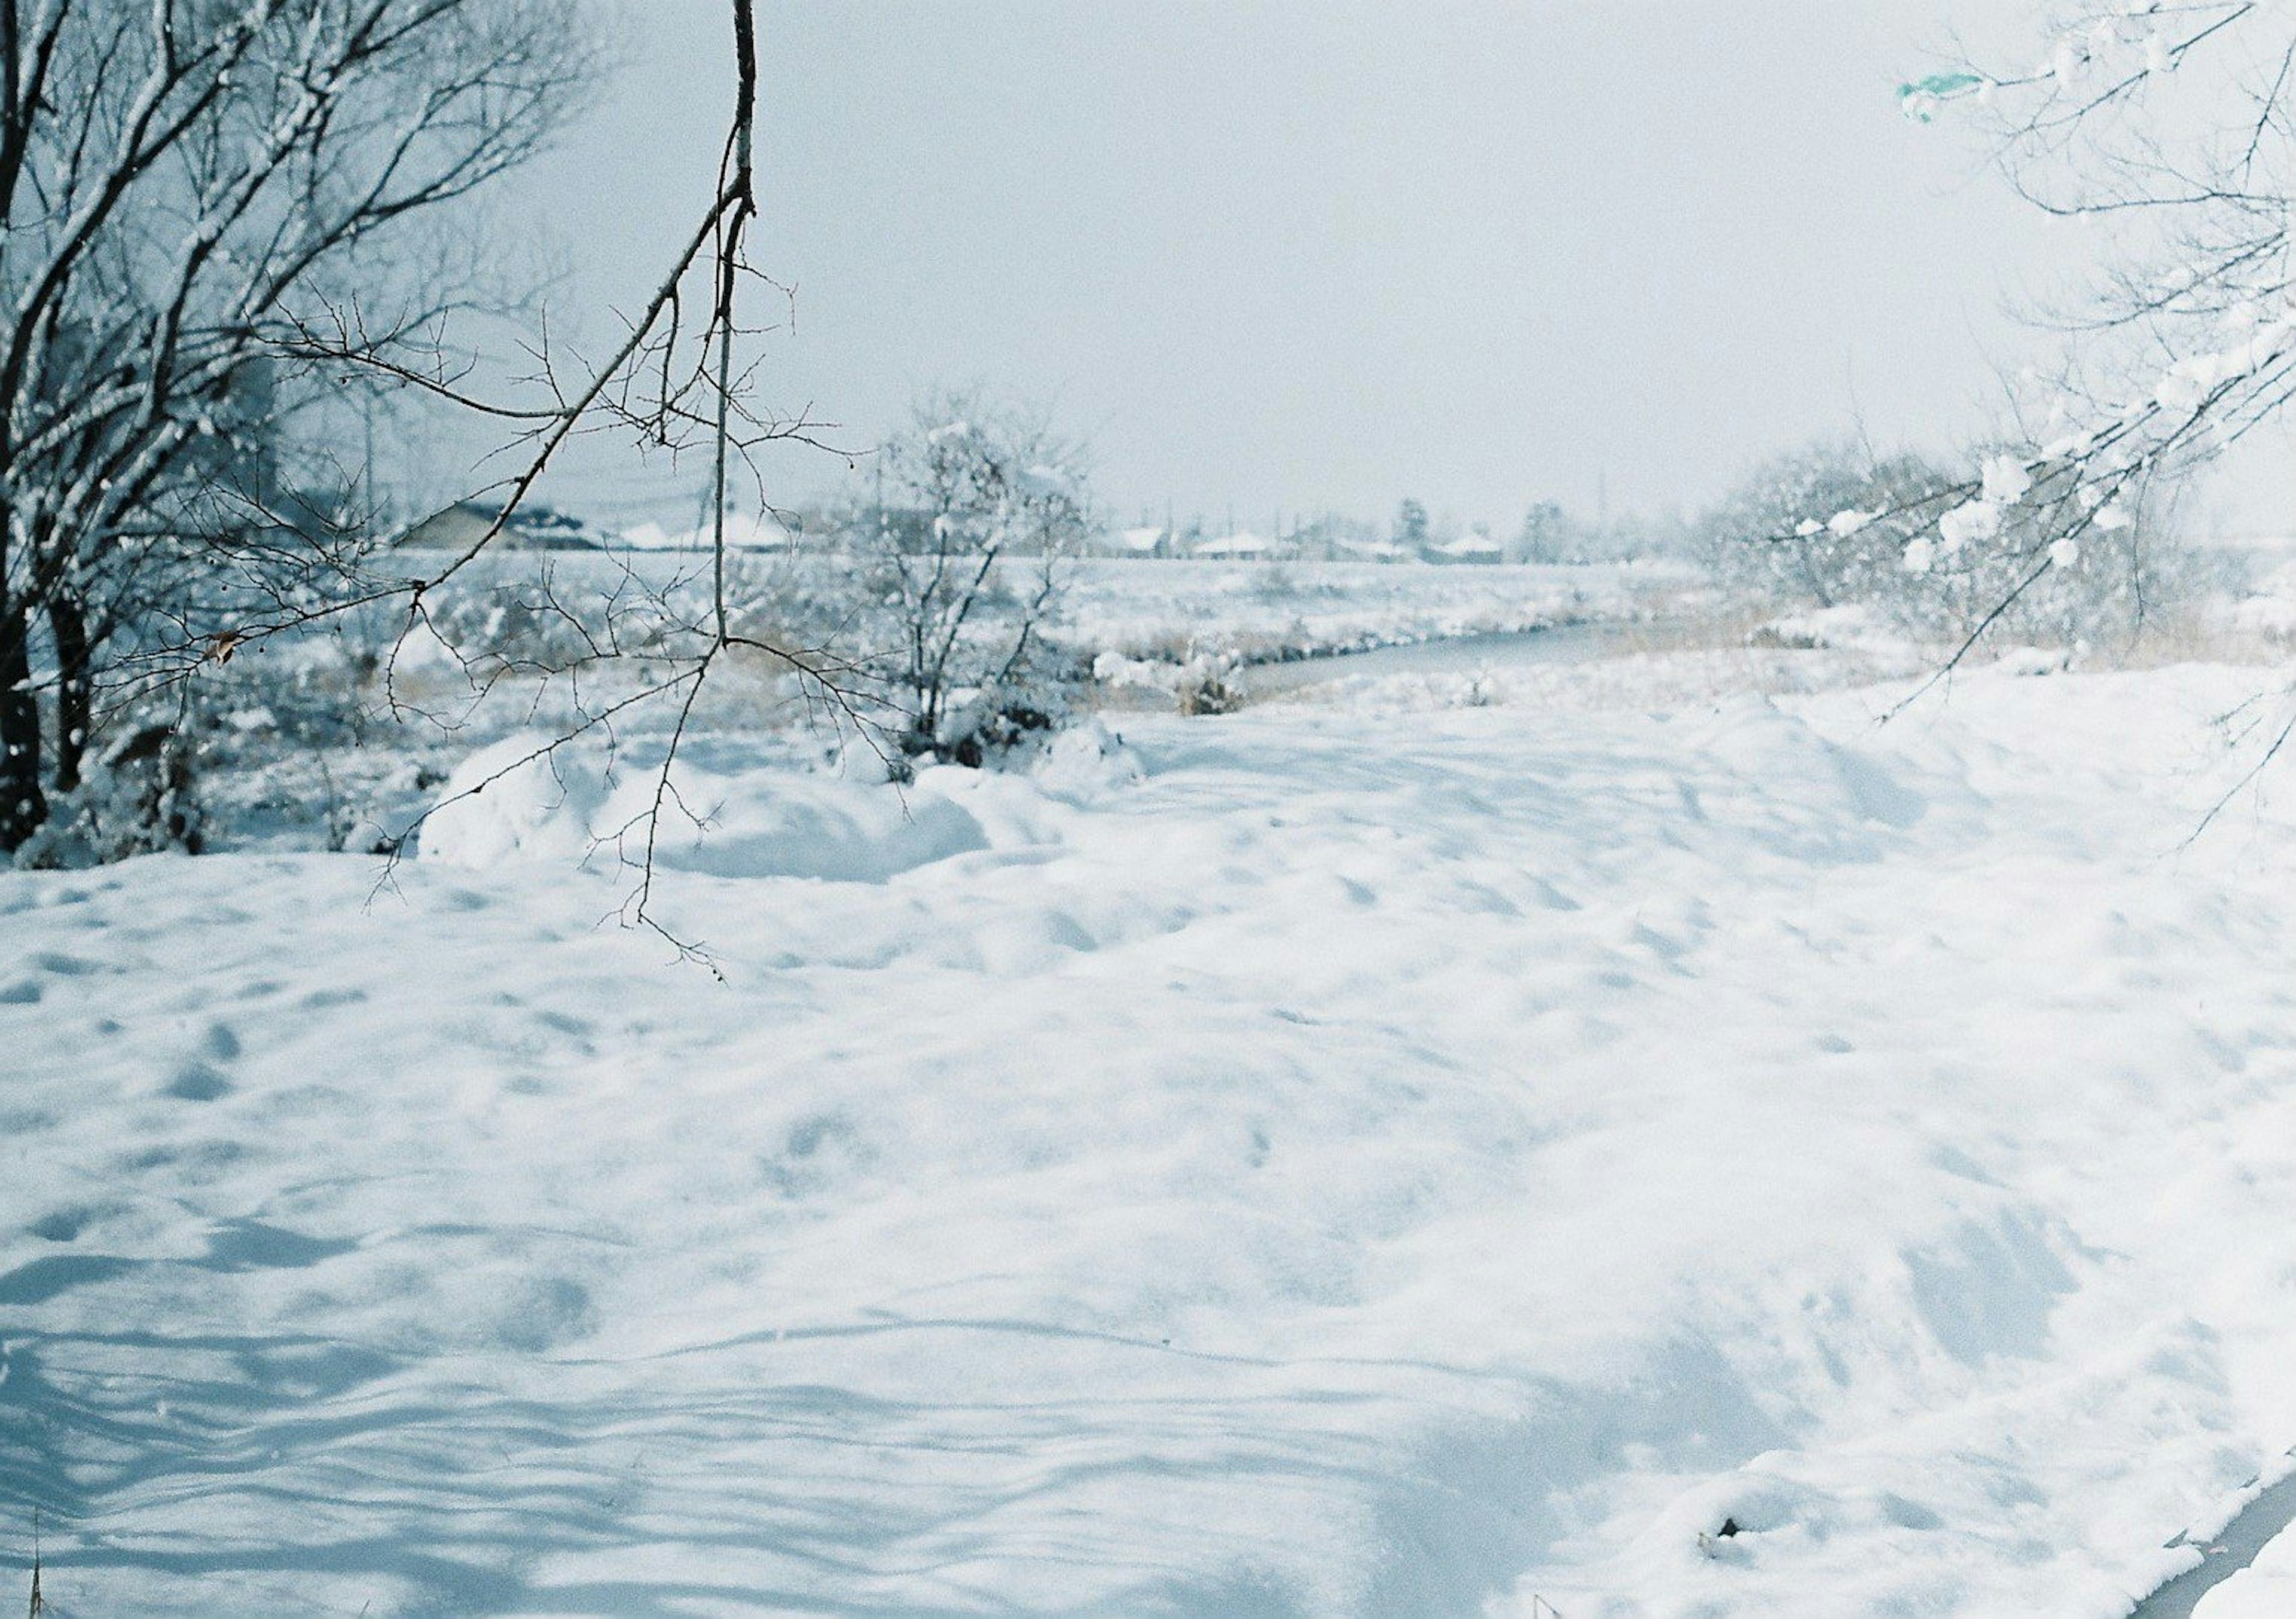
x: 1272, y: 254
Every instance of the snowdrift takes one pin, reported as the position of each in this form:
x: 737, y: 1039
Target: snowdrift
x: 532, y: 798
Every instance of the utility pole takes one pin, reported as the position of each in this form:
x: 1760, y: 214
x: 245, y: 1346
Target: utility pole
x: 374, y: 513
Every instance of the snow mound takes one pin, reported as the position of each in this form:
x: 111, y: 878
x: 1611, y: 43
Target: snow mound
x: 1086, y: 760
x: 524, y: 800
x: 521, y: 798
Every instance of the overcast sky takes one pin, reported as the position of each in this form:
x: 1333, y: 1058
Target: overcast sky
x: 1282, y: 255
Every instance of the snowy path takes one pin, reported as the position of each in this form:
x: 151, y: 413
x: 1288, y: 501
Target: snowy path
x: 1371, y: 1165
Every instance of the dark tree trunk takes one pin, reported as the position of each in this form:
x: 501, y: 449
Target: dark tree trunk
x: 23, y: 806
x: 75, y: 689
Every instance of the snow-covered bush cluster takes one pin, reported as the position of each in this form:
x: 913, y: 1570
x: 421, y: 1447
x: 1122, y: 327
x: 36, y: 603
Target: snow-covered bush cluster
x: 1762, y: 538
x: 1942, y: 556
x: 1197, y: 683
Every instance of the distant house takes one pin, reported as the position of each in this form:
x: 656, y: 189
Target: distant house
x: 1152, y: 541
x: 530, y: 527
x: 1472, y: 547
x: 1370, y: 550
x: 1243, y: 547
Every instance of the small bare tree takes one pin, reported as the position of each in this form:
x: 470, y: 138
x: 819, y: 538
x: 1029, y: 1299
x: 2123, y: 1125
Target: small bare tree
x: 964, y: 555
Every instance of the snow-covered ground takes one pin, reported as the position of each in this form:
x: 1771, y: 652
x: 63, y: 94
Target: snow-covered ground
x: 1408, y: 1155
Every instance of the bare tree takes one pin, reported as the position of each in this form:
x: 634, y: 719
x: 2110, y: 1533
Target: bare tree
x: 2168, y: 125
x: 189, y: 185
x: 681, y: 383
x: 261, y: 154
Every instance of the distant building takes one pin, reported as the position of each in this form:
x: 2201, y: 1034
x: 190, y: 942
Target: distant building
x: 1365, y: 548
x: 1148, y: 541
x: 744, y: 531
x: 1243, y: 547
x: 1476, y: 547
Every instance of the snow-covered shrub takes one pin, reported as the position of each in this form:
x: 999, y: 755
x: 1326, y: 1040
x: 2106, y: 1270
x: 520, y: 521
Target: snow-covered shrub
x: 960, y: 565
x: 139, y: 797
x: 1089, y: 758
x: 1276, y: 581
x: 1206, y: 686
x: 530, y: 795
x: 536, y: 797
x: 1197, y: 683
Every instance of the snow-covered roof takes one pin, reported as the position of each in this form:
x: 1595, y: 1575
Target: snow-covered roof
x: 1471, y: 545
x: 1239, y: 545
x: 744, y: 531
x: 1140, y: 539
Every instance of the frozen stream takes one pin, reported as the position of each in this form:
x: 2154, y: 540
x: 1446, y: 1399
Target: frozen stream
x: 2225, y: 1555
x: 1451, y: 655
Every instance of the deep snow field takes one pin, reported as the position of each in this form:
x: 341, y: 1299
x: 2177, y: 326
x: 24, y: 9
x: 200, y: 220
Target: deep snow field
x: 1419, y: 1150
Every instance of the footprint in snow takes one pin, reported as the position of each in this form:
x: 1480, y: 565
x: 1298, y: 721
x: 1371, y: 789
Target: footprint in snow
x: 63, y: 1226
x: 64, y: 966
x: 249, y: 1244
x: 197, y: 1082
x: 543, y: 1313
